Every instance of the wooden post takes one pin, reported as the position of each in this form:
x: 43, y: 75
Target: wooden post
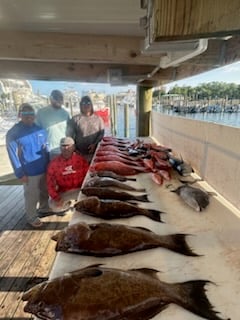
x: 144, y: 107
x: 71, y: 106
x: 126, y: 120
x: 113, y: 108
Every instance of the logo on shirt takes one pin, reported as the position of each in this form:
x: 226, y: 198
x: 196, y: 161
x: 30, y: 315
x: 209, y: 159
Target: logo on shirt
x: 68, y: 170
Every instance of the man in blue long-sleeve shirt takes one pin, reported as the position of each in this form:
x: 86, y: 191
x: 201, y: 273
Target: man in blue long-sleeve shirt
x: 27, y: 149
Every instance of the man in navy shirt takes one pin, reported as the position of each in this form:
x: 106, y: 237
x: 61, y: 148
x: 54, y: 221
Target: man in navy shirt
x: 27, y: 149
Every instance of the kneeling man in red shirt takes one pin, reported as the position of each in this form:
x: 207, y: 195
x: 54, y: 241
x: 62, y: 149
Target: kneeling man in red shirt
x: 65, y: 176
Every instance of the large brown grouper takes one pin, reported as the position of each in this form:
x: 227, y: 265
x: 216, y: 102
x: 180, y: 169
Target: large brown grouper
x: 98, y: 293
x: 110, y: 182
x: 106, y: 193
x: 104, y: 240
x: 112, y: 175
x: 114, y: 209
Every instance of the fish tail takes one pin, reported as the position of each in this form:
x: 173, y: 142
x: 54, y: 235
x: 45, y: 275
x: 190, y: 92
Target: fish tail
x: 142, y: 169
x: 154, y: 215
x: 131, y: 179
x: 140, y: 190
x: 143, y: 198
x: 192, y: 296
x: 177, y: 242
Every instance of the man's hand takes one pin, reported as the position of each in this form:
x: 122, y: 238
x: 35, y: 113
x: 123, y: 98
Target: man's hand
x: 24, y: 179
x: 59, y: 202
x: 91, y: 148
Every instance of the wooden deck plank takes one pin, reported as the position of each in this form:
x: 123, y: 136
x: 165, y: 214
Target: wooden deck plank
x: 25, y: 265
x: 26, y: 254
x: 7, y: 205
x: 45, y: 263
x: 12, y: 213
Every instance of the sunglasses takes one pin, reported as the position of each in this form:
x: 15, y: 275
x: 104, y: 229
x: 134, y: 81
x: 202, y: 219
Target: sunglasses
x: 85, y: 103
x: 27, y: 113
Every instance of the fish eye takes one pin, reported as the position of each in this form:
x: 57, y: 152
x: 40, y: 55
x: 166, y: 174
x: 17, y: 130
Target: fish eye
x: 41, y: 304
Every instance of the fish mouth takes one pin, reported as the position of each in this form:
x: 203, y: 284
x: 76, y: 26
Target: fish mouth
x: 48, y: 315
x: 43, y: 311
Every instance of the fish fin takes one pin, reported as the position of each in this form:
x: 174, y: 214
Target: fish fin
x: 56, y: 236
x: 90, y: 271
x: 155, y: 215
x: 147, y: 271
x: 192, y: 202
x: 143, y: 198
x: 146, y: 311
x: 192, y: 296
x: 131, y: 179
x: 177, y: 243
x: 211, y: 193
x: 140, y: 190
x: 95, y: 226
x: 144, y: 229
x: 134, y: 202
x: 190, y: 182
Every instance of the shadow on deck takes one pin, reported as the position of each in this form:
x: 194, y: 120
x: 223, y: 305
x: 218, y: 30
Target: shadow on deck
x: 26, y: 254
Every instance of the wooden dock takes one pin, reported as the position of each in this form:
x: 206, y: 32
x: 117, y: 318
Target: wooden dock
x: 26, y: 254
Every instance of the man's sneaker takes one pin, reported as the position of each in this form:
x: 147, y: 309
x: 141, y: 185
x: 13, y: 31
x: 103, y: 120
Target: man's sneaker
x: 37, y: 223
x: 43, y: 214
x: 62, y: 209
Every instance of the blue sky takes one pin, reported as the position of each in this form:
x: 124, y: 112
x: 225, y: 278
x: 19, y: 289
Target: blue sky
x: 45, y: 87
x: 230, y: 74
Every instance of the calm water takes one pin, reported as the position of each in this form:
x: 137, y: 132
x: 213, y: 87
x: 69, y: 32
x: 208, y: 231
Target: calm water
x: 229, y: 119
x: 225, y: 118
x: 120, y: 122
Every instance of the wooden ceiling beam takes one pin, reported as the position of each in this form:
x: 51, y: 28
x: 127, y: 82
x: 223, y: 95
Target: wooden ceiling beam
x: 194, y: 19
x: 56, y: 47
x: 218, y: 53
x: 97, y: 73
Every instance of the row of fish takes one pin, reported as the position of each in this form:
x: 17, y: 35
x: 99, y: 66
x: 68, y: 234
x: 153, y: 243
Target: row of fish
x: 196, y: 198
x: 114, y: 156
x: 100, y: 293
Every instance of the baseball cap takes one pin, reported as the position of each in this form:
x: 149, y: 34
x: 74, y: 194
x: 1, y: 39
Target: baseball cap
x: 67, y: 141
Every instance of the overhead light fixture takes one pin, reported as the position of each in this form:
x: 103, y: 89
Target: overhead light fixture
x: 168, y: 46
x: 114, y: 76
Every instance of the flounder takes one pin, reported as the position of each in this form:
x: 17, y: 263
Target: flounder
x: 98, y: 293
x: 107, y: 240
x: 114, y: 209
x: 194, y: 197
